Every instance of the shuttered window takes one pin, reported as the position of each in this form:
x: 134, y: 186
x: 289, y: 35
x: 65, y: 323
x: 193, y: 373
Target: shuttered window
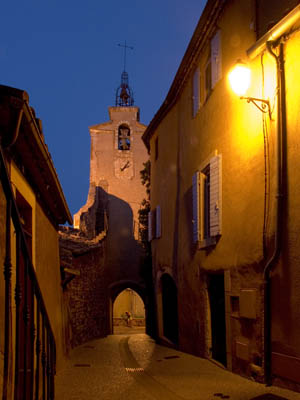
x: 207, y: 207
x: 215, y: 220
x: 198, y: 206
x: 158, y: 223
x: 154, y: 224
x: 196, y: 198
x: 196, y: 91
x: 216, y: 59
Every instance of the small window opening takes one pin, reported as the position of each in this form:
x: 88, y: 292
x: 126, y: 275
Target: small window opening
x: 25, y: 213
x: 208, y: 83
x: 235, y: 305
x: 156, y: 148
x: 124, y: 137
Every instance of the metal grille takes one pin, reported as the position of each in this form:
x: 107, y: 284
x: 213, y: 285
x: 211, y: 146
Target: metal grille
x: 32, y: 344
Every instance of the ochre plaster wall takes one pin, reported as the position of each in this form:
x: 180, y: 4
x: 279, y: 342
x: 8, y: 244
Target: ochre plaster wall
x: 234, y: 129
x: 2, y: 282
x: 128, y: 300
x: 48, y: 275
x: 286, y: 274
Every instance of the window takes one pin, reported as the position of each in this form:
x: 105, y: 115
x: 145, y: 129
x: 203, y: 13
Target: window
x: 207, y: 206
x: 156, y: 148
x: 216, y: 65
x: 123, y: 137
x: 25, y: 213
x: 208, y: 86
x: 196, y: 92
x: 154, y: 224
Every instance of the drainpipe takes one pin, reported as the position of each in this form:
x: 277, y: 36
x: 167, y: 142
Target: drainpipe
x: 280, y: 138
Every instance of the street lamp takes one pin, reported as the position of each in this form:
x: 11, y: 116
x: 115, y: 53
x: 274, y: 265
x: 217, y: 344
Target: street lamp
x: 239, y: 79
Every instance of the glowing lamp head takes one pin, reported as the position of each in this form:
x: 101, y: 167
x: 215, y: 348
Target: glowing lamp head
x: 239, y: 78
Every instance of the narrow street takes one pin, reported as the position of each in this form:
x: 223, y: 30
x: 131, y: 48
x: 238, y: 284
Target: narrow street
x: 130, y: 365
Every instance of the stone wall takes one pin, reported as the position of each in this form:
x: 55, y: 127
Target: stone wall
x: 85, y: 286
x: 134, y: 322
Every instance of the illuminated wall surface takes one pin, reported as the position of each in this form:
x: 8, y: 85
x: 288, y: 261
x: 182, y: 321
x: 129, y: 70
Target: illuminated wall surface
x: 128, y: 300
x: 231, y: 268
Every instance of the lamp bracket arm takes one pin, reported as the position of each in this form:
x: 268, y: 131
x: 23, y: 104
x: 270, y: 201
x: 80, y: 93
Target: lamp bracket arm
x: 264, y: 107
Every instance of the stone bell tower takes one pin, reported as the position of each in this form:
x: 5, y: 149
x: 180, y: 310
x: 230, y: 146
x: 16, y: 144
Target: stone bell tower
x: 115, y: 192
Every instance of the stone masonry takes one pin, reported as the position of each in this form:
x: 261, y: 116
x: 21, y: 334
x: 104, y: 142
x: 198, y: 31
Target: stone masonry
x: 104, y: 252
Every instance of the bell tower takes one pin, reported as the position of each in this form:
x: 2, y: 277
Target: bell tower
x: 115, y: 190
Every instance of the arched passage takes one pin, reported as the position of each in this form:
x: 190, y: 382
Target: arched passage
x: 127, y: 296
x: 128, y: 310
x: 169, y: 308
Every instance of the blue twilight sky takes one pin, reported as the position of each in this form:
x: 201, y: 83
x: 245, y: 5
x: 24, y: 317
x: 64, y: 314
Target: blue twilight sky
x: 65, y: 54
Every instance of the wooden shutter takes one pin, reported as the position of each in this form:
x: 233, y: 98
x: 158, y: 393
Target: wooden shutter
x: 195, y: 194
x: 215, y: 207
x: 158, y: 222
x: 198, y: 206
x: 196, y: 91
x: 216, y: 64
x: 150, y: 236
x: 202, y: 178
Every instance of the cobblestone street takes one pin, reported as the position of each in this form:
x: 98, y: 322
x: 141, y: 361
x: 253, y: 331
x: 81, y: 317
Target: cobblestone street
x: 131, y: 366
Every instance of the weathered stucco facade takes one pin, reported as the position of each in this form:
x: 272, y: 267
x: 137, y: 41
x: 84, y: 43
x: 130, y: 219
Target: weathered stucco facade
x: 218, y: 198
x: 115, y: 179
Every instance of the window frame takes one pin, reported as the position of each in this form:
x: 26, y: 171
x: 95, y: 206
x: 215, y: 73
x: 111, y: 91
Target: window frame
x: 216, y: 58
x: 207, y: 202
x: 196, y: 92
x: 121, y: 137
x: 156, y: 148
x: 208, y: 78
x: 154, y: 223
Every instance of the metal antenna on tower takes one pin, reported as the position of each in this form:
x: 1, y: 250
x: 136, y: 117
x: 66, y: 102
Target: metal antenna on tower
x: 124, y: 94
x: 125, y: 47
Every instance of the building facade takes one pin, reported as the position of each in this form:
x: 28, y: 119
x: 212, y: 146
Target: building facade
x: 111, y: 214
x: 224, y: 203
x: 32, y: 205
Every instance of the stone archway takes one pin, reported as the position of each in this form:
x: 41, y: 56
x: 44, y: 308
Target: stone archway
x: 118, y: 287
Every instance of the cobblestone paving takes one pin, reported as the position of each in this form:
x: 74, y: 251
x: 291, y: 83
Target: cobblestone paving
x: 132, y: 366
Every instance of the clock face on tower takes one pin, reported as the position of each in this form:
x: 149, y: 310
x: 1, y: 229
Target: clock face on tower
x: 123, y: 168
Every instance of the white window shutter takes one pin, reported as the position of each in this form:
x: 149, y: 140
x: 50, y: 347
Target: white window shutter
x: 202, y: 178
x: 195, y: 195
x: 215, y: 217
x: 198, y: 206
x: 158, y: 222
x: 216, y: 60
x: 196, y: 91
x: 150, y: 236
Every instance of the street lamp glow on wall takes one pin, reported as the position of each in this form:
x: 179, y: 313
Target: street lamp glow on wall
x: 239, y: 79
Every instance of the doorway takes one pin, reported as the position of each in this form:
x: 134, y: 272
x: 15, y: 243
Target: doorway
x: 216, y: 295
x: 128, y: 313
x: 169, y: 308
